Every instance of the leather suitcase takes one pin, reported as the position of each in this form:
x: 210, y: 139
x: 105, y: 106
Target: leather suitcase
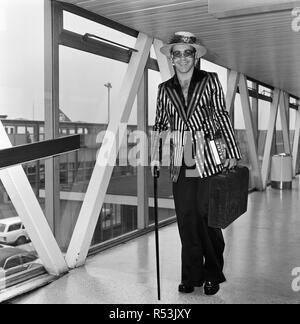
x: 228, y: 197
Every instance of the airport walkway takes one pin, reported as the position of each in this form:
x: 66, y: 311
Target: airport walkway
x: 262, y: 250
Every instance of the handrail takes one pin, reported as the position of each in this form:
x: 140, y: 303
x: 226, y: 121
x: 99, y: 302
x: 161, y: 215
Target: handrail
x: 41, y: 150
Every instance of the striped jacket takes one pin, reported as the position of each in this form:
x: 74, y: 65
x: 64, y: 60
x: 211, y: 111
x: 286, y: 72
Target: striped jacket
x: 204, y: 115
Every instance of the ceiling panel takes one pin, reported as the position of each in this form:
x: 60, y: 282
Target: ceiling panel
x: 262, y: 46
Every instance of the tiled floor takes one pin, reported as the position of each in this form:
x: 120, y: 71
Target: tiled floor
x: 263, y: 247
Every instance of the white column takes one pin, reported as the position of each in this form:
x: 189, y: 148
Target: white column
x: 122, y: 107
x: 233, y: 80
x: 296, y: 141
x: 250, y: 132
x: 270, y: 135
x: 285, y: 123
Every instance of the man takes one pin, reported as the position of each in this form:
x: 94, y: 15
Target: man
x: 192, y: 106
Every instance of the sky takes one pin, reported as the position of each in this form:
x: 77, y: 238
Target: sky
x: 21, y: 58
x: 83, y: 96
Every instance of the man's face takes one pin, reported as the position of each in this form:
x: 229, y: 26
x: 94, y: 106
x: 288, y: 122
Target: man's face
x: 184, y: 58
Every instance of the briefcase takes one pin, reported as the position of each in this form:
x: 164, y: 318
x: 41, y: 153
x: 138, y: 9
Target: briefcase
x: 228, y: 197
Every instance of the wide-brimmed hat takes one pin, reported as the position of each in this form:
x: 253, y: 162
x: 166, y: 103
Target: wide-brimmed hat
x: 184, y: 38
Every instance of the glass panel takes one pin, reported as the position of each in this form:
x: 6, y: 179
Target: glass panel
x: 22, y: 108
x: 263, y: 124
x: 279, y: 143
x: 264, y: 111
x: 152, y: 53
x: 28, y: 258
x: 15, y: 235
x: 250, y: 85
x: 12, y: 263
x: 222, y: 72
x: 89, y: 84
x: 14, y: 227
x: 82, y: 26
x: 265, y: 91
x: 293, y: 114
x: 241, y: 136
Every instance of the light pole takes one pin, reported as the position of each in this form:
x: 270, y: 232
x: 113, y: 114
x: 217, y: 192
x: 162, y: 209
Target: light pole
x: 109, y: 87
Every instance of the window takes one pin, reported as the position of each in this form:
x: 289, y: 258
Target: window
x: 293, y: 114
x: 12, y: 263
x: 2, y: 228
x: 265, y: 91
x: 250, y: 85
x: 14, y: 227
x: 63, y: 131
x: 152, y: 53
x: 31, y: 169
x: 293, y: 100
x: 28, y: 258
x: 80, y: 76
x: 279, y: 143
x: 241, y: 136
x: 30, y: 130
x: 222, y: 72
x: 21, y: 130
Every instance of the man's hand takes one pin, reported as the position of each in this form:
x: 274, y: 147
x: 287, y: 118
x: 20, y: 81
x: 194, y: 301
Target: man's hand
x: 153, y: 165
x: 230, y: 163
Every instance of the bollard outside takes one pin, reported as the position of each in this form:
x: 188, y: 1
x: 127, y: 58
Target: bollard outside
x: 282, y: 172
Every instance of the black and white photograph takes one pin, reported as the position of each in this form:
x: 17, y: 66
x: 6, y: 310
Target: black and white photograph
x: 149, y: 155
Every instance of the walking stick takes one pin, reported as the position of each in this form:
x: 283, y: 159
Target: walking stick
x: 156, y: 176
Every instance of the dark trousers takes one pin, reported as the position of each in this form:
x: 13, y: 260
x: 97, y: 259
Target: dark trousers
x: 202, y: 246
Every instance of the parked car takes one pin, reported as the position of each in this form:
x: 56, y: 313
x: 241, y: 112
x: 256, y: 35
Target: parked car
x: 13, y: 232
x: 15, y: 260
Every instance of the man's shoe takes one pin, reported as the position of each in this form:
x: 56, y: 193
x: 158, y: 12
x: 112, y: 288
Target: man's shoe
x: 211, y: 288
x: 185, y: 289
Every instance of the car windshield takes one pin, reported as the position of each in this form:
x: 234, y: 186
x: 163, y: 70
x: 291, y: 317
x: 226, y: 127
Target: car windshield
x: 2, y: 228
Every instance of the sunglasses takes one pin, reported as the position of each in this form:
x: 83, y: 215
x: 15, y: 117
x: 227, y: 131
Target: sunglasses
x: 185, y: 54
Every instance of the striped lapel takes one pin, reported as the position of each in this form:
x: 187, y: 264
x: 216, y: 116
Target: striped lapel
x: 202, y: 80
x: 177, y: 102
